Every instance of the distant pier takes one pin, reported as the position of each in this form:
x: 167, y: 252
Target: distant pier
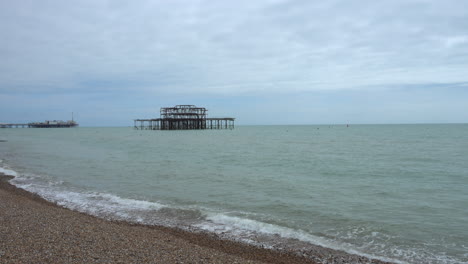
x: 46, y: 124
x: 184, y: 117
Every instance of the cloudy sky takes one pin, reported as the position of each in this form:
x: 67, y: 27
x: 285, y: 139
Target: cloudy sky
x: 263, y: 62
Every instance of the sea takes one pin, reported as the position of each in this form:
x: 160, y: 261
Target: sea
x: 396, y: 193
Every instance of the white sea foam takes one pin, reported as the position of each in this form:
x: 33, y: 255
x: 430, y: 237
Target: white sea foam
x: 221, y: 223
x: 8, y: 172
x: 244, y: 228
x: 94, y: 203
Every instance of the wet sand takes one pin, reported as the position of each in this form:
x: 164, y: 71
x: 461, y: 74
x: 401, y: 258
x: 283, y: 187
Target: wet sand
x: 33, y: 230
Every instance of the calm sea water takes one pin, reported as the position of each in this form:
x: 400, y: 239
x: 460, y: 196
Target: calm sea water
x: 395, y: 192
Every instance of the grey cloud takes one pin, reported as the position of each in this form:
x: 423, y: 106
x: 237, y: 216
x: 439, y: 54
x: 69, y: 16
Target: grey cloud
x: 231, y: 47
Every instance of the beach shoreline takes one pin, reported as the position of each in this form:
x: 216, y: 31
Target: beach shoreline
x: 35, y: 230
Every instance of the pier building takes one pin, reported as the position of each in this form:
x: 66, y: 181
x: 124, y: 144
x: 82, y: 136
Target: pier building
x: 45, y: 124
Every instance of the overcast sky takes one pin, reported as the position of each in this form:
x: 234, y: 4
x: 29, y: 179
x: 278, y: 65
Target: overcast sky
x: 263, y: 62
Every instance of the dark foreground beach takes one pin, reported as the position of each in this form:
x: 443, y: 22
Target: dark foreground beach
x: 33, y: 230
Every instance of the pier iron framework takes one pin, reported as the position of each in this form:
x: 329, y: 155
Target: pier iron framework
x: 184, y: 117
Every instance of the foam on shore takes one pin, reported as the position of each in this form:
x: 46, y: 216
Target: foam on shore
x: 8, y: 172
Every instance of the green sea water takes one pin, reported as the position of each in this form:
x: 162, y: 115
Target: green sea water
x: 393, y: 192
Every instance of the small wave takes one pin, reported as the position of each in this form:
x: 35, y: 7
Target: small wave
x: 8, y: 172
x: 104, y: 205
x: 98, y: 204
x: 249, y: 230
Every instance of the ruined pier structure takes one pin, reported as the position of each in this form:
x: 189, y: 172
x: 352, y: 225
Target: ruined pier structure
x: 184, y: 117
